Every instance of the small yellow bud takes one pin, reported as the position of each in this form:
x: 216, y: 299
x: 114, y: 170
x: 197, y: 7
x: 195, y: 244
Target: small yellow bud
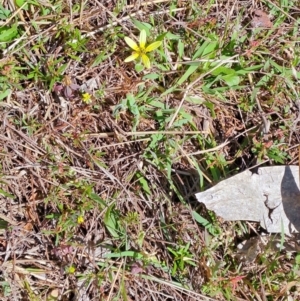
x: 80, y: 219
x: 86, y: 98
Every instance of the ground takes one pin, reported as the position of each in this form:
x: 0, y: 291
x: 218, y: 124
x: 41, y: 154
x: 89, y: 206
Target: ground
x: 101, y: 155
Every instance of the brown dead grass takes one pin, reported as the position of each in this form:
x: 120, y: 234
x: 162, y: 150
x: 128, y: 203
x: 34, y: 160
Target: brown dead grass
x: 49, y: 142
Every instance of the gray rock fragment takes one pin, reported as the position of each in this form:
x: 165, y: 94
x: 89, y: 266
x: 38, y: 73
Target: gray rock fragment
x: 271, y: 197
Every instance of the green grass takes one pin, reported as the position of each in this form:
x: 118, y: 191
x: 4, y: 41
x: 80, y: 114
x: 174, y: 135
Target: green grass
x: 101, y: 159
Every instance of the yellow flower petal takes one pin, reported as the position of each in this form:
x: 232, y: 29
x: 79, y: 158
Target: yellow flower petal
x: 132, y: 57
x: 146, y: 61
x: 143, y: 38
x: 80, y: 219
x: 131, y: 43
x: 86, y: 97
x: 153, y: 46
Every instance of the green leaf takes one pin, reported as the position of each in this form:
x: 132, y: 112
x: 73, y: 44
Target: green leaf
x: 161, y: 36
x: 205, y: 223
x: 142, y: 25
x: 132, y: 105
x: 4, y: 13
x: 201, y: 220
x: 200, y: 172
x: 206, y: 48
x: 231, y: 79
x: 279, y: 68
x: 152, y: 76
x: 168, y: 91
x: 100, y: 58
x: 249, y: 69
x: 157, y: 104
x: 133, y: 254
x: 186, y: 115
x: 195, y: 99
x: 210, y: 49
x: 3, y: 224
x: 123, y: 289
x: 297, y: 259
x: 20, y: 3
x: 139, y: 67
x: 180, y: 48
x: 7, y: 34
x: 185, y: 118
x: 211, y: 108
x: 4, y: 94
x: 200, y: 50
x: 8, y: 195
x: 187, y: 74
x: 172, y: 251
x: 172, y: 36
x: 144, y: 183
x: 111, y: 221
x: 222, y: 70
x: 95, y: 197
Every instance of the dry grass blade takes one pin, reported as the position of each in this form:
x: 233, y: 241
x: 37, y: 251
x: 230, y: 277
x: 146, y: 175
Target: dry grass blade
x: 299, y: 163
x: 100, y: 159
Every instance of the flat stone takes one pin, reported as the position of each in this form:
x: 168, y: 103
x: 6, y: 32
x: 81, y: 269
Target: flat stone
x: 270, y: 197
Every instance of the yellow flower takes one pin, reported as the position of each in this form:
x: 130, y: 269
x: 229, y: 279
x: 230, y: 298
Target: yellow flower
x: 71, y: 269
x: 86, y: 98
x: 141, y: 50
x: 80, y: 219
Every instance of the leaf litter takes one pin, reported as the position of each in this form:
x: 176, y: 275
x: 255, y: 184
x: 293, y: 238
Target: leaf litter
x: 63, y: 159
x: 261, y: 19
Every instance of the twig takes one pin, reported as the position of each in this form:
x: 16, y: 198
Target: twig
x: 101, y: 29
x: 219, y: 146
x: 204, y: 151
x: 111, y: 134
